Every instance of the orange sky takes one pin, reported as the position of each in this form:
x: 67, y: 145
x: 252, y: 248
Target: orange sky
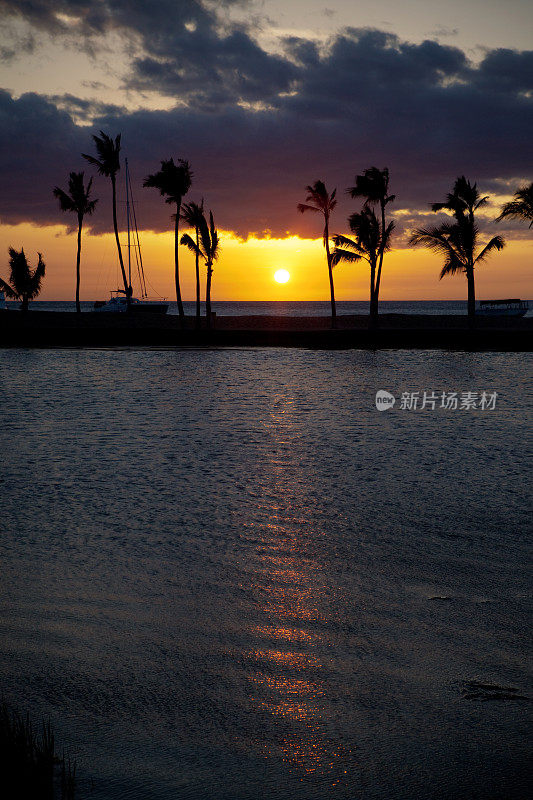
x: 245, y: 269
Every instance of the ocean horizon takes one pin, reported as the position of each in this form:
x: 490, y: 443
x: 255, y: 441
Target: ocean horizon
x: 299, y: 308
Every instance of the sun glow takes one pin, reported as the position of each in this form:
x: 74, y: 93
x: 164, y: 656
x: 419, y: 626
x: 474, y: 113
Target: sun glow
x: 282, y: 276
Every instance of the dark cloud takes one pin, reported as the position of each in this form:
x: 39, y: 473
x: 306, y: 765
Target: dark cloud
x: 506, y: 71
x: 259, y: 127
x: 184, y: 47
x: 441, y: 32
x: 14, y: 44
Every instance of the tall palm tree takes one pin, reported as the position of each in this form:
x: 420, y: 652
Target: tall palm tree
x: 108, y: 164
x: 24, y: 283
x: 173, y: 182
x: 367, y: 245
x: 192, y: 214
x: 77, y: 199
x: 458, y: 241
x: 373, y: 186
x: 208, y: 248
x: 520, y: 207
x: 319, y: 200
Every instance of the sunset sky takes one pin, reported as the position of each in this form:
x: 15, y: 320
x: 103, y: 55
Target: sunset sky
x: 264, y: 97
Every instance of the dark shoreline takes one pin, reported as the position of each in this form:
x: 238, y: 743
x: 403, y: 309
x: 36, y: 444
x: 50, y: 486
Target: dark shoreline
x: 40, y: 329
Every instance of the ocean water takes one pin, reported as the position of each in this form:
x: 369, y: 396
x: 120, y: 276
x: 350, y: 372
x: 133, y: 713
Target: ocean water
x: 299, y: 309
x: 226, y: 575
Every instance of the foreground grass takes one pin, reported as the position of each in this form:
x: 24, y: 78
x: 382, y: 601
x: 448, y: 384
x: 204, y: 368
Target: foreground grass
x: 29, y: 766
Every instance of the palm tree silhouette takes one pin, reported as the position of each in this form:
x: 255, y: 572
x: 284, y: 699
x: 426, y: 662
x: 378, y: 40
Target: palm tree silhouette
x: 77, y: 200
x: 192, y: 214
x: 367, y: 245
x: 373, y: 185
x: 108, y: 164
x: 24, y: 283
x: 173, y: 182
x: 208, y: 248
x: 457, y: 241
x: 520, y: 207
x: 319, y: 200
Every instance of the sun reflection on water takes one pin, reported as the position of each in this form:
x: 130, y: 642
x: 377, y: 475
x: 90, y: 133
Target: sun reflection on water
x: 286, y: 671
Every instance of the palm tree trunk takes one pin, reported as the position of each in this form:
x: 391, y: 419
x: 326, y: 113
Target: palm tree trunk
x: 330, y: 272
x: 177, y: 267
x: 471, y: 297
x: 78, y: 257
x: 25, y: 302
x: 198, y: 323
x: 373, y: 301
x: 381, y: 254
x: 208, y: 296
x: 127, y: 289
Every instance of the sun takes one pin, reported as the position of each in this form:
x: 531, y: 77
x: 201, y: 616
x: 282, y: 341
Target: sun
x: 282, y: 276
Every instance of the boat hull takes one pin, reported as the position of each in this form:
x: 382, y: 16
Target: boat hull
x: 119, y: 305
x: 149, y: 308
x: 502, y: 312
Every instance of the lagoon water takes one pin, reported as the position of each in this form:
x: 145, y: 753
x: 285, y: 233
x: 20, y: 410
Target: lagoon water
x: 226, y: 575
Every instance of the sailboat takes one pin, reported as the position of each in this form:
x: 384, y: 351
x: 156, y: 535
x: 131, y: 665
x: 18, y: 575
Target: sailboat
x: 118, y: 301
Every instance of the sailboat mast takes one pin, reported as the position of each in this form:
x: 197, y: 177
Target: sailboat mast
x: 128, y: 221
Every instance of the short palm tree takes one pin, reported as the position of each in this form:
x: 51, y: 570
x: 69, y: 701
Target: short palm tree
x: 108, y: 164
x: 192, y: 214
x: 77, y: 199
x: 366, y: 245
x: 520, y: 207
x: 208, y: 248
x: 24, y: 283
x: 457, y: 241
x: 373, y: 186
x: 320, y: 201
x: 173, y: 182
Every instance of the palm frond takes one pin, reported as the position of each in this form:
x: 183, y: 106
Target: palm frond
x: 452, y: 265
x: 439, y: 239
x: 34, y: 284
x: 496, y: 243
x: 5, y: 287
x: 205, y: 238
x: 305, y: 207
x: 95, y: 163
x: 481, y: 202
x: 191, y: 212
x: 318, y: 199
x: 339, y: 254
x: 189, y: 242
x: 372, y: 184
x: 520, y: 207
x: 22, y: 280
x: 108, y: 152
x: 66, y: 203
x: 340, y: 240
x: 214, y: 238
x: 172, y: 180
x: 77, y: 197
x: 463, y: 199
x: 215, y: 246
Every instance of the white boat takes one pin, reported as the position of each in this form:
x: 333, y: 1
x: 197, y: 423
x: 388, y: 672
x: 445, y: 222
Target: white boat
x: 503, y: 308
x: 118, y: 302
